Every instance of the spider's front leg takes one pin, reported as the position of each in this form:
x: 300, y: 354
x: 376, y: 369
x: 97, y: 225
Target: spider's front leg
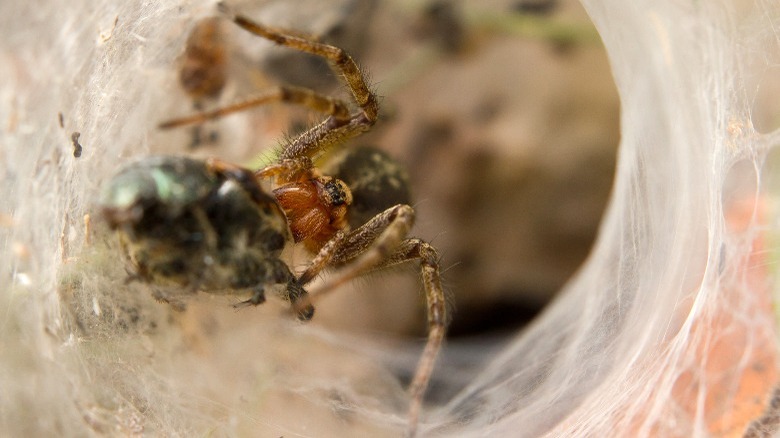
x: 282, y: 93
x: 380, y: 243
x: 416, y: 249
x: 288, y: 170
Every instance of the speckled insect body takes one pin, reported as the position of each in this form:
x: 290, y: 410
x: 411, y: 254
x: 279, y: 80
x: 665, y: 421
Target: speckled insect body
x: 199, y: 226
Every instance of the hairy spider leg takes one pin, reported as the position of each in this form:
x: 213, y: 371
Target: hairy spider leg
x: 335, y: 108
x: 337, y: 128
x: 379, y: 243
x: 289, y: 170
x: 323, y: 259
x: 333, y: 130
x: 414, y: 249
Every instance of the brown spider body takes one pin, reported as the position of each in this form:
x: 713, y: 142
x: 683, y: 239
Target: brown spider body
x: 315, y: 208
x: 356, y: 220
x: 203, y: 70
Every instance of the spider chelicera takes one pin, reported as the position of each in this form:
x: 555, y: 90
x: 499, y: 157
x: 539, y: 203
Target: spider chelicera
x: 208, y: 225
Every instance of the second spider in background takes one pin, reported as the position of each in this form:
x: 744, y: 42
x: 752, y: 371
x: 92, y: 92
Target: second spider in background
x: 203, y: 70
x: 353, y: 221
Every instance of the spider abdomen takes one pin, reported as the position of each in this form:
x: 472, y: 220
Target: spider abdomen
x: 376, y: 179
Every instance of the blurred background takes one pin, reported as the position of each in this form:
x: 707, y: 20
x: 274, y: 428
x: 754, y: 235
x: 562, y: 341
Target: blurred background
x: 506, y: 117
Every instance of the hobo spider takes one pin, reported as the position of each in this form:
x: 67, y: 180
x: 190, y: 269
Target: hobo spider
x: 316, y: 206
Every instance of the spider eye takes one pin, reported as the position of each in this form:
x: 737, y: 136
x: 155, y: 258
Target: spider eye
x: 338, y: 193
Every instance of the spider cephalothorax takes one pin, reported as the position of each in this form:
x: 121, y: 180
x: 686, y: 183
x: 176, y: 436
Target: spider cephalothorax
x: 315, y: 205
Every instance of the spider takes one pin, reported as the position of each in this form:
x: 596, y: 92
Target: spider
x: 203, y: 70
x: 210, y: 226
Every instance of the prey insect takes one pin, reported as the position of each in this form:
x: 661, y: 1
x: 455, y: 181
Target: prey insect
x: 210, y: 226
